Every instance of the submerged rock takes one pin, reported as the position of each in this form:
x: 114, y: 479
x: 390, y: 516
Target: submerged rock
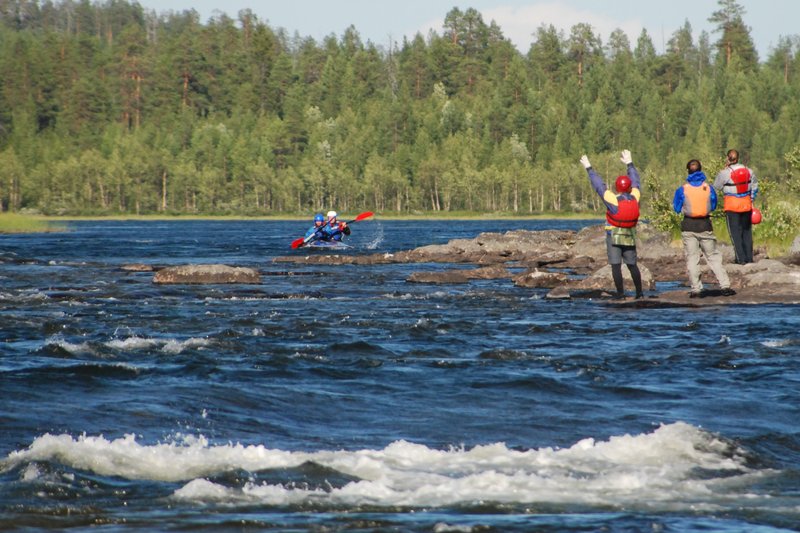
x: 558, y: 293
x: 447, y: 276
x: 460, y: 275
x: 206, y: 274
x: 137, y: 267
x: 540, y: 279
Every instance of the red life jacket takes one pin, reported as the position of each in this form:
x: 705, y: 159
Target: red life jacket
x: 741, y: 178
x: 740, y: 201
x: 627, y: 214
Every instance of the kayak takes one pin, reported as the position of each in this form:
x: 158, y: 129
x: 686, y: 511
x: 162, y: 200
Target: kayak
x: 328, y: 245
x: 302, y: 241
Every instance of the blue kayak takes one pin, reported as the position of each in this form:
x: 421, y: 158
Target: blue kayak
x: 329, y: 245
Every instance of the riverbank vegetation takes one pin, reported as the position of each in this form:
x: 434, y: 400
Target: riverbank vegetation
x: 110, y: 109
x: 16, y: 223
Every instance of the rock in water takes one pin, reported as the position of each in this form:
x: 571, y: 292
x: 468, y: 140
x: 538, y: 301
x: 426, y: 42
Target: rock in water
x: 206, y: 274
x: 137, y: 267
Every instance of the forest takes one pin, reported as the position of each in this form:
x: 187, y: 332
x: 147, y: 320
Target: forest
x: 107, y: 108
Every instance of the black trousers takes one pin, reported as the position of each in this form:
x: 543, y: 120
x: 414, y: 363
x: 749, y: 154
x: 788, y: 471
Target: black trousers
x: 740, y: 227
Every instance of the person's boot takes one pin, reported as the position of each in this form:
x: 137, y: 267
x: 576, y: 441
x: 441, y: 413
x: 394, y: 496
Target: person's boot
x: 636, y: 276
x: 616, y: 273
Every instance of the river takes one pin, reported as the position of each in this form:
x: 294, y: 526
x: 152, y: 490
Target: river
x: 343, y: 398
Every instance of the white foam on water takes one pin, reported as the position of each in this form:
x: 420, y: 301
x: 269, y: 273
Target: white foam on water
x: 676, y: 467
x: 442, y: 527
x: 175, y: 347
x: 404, y: 296
x: 31, y: 473
x: 27, y: 295
x: 185, y: 458
x: 169, y: 346
x: 73, y: 348
x: 374, y: 243
x: 778, y: 343
x: 131, y: 343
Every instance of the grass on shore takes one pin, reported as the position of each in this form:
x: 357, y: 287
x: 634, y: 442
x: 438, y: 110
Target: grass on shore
x: 16, y: 223
x: 35, y: 223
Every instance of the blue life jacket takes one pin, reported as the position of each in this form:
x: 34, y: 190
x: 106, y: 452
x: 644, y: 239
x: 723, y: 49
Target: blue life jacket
x: 332, y: 233
x: 320, y: 232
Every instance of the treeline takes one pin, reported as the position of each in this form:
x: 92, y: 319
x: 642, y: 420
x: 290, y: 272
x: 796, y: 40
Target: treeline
x: 106, y: 107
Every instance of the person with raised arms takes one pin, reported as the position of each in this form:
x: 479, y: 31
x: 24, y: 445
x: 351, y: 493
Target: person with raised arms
x: 622, y: 215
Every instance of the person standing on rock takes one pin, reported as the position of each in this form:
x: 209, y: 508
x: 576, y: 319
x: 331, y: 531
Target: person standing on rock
x: 622, y: 215
x: 739, y: 187
x: 696, y: 199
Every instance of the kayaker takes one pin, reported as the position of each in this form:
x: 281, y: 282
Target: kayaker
x: 316, y: 232
x: 622, y: 215
x: 334, y: 229
x: 696, y: 199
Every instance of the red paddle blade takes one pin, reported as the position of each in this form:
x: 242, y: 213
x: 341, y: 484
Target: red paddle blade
x: 362, y: 216
x: 297, y: 243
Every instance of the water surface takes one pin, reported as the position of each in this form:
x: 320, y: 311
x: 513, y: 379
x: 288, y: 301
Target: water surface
x: 344, y: 398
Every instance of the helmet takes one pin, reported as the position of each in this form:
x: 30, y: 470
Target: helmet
x: 755, y: 216
x: 331, y: 214
x: 623, y: 184
x: 319, y: 218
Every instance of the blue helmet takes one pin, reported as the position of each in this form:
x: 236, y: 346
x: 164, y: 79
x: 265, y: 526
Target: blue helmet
x: 319, y: 218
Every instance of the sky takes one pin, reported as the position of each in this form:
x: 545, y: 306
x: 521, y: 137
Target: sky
x: 382, y: 21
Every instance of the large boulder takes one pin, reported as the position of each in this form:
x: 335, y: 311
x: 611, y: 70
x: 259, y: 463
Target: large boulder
x: 603, y: 280
x: 656, y: 245
x: 206, y: 274
x: 591, y: 242
x: 490, y: 248
x: 767, y: 272
x: 794, y: 249
x: 519, y: 244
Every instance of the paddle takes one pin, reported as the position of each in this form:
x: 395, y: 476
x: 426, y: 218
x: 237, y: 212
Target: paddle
x: 297, y: 243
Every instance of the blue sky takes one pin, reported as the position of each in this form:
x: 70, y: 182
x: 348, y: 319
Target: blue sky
x: 380, y: 21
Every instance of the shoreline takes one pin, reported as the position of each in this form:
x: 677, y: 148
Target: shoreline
x: 15, y: 223
x: 290, y: 217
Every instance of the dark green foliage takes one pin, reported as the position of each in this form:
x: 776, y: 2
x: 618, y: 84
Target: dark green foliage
x: 108, y: 108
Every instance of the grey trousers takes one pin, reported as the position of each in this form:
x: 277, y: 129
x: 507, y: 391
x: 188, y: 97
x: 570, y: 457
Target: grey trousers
x: 705, y: 242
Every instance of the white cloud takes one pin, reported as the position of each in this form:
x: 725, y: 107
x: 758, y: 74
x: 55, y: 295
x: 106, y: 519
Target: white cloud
x: 433, y: 24
x: 519, y: 23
